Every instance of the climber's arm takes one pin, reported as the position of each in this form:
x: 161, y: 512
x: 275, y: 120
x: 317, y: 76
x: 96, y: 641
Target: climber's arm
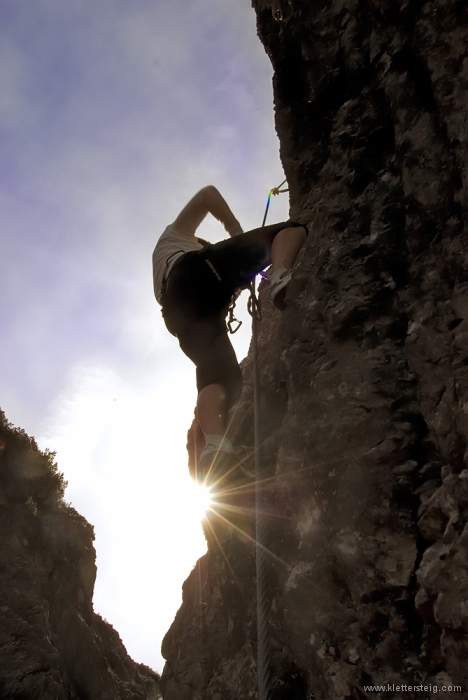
x: 207, y: 201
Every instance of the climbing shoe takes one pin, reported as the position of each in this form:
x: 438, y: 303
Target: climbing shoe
x: 279, y: 284
x: 215, y: 467
x: 221, y: 470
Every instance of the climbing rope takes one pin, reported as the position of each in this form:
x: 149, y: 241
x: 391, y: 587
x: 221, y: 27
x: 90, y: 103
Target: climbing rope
x: 274, y: 191
x: 263, y: 651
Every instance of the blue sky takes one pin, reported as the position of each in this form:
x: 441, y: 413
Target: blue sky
x: 112, y: 115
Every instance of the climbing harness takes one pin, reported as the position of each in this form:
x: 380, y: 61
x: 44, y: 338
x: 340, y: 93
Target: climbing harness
x: 263, y: 656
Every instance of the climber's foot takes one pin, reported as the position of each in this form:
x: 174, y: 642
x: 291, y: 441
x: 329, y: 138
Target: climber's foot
x: 278, y: 289
x: 215, y: 467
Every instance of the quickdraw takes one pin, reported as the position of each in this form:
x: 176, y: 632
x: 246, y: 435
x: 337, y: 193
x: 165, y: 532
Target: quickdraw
x: 253, y: 305
x: 232, y: 319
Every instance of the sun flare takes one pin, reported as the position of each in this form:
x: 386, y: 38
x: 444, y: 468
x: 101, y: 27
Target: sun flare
x: 202, y: 500
x: 194, y: 502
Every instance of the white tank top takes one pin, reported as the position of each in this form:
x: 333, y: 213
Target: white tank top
x: 172, y: 244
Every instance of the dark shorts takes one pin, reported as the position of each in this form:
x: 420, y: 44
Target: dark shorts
x: 197, y: 296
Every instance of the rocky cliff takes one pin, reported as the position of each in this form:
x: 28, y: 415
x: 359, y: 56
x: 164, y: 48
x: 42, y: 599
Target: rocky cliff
x: 364, y: 377
x: 52, y: 645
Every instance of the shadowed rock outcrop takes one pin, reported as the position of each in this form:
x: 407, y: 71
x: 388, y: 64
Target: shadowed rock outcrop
x: 364, y: 377
x: 52, y: 645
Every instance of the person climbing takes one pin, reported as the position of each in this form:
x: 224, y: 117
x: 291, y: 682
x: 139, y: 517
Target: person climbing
x: 194, y: 282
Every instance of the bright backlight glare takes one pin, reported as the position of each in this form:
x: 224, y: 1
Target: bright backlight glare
x: 202, y: 500
x: 193, y: 502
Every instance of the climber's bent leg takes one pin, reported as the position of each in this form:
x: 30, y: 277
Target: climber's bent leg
x: 237, y: 260
x: 217, y: 459
x: 286, y: 246
x: 202, y: 282
x: 219, y: 383
x: 284, y: 250
x: 211, y: 409
x: 219, y: 377
x: 194, y: 310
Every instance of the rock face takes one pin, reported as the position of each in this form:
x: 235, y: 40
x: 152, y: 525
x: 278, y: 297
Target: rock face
x: 364, y: 377
x: 52, y: 645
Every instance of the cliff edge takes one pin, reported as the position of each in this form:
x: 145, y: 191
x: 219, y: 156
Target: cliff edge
x: 364, y: 378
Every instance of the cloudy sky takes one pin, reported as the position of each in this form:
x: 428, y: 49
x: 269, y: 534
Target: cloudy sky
x: 113, y: 113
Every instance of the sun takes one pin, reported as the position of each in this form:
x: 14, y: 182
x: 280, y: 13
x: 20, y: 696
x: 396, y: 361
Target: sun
x: 201, y: 500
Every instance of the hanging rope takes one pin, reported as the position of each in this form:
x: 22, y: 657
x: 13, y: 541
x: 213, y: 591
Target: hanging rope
x: 263, y: 650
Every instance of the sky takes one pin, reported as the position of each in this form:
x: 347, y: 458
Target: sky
x: 112, y: 115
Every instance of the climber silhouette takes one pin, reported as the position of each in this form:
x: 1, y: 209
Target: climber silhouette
x: 194, y: 282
